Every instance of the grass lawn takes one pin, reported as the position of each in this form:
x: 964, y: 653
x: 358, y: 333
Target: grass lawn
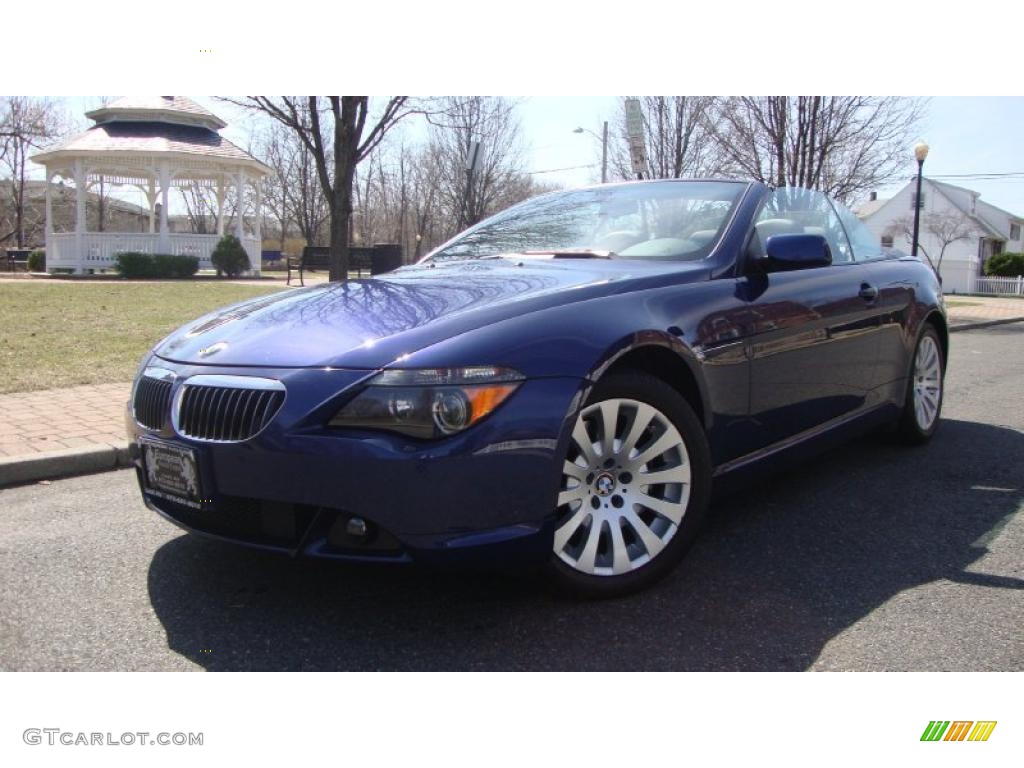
x: 61, y: 334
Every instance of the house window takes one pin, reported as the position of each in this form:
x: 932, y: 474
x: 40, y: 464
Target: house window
x: 1015, y: 231
x: 913, y: 200
x: 887, y: 241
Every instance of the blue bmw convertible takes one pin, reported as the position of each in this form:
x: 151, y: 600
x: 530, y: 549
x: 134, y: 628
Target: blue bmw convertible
x: 564, y: 383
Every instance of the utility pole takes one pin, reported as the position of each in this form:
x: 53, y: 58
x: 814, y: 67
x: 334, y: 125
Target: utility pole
x: 604, y: 153
x: 472, y: 161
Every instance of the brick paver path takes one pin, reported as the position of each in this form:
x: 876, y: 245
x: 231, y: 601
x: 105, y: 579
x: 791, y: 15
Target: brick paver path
x: 980, y: 309
x: 55, y: 419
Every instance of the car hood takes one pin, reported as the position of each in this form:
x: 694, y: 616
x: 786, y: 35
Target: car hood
x: 370, y: 323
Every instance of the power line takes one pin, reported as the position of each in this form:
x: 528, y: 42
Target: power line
x: 1008, y: 174
x: 1000, y: 180
x: 568, y: 168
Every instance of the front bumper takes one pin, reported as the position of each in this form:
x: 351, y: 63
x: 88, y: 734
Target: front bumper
x: 484, y: 495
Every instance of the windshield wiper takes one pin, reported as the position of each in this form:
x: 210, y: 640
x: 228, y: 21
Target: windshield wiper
x: 573, y: 253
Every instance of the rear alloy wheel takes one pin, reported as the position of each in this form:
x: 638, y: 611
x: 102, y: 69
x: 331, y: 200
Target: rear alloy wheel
x: 634, y: 487
x: 924, y: 391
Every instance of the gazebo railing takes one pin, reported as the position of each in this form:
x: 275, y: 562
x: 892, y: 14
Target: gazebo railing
x: 99, y: 249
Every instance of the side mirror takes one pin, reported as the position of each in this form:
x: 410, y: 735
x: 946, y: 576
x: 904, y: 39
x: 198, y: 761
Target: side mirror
x: 788, y: 252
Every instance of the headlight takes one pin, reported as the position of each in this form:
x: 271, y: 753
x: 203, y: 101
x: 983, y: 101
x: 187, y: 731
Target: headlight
x: 138, y: 373
x: 143, y: 363
x: 429, y: 402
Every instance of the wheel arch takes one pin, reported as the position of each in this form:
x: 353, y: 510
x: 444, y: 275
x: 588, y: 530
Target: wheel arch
x: 936, y: 319
x: 667, y: 358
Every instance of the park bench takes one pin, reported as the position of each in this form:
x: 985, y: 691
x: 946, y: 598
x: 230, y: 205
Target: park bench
x: 309, y: 259
x: 17, y: 257
x: 373, y: 260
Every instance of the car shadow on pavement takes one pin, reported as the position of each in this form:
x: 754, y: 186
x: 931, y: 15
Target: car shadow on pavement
x: 782, y: 567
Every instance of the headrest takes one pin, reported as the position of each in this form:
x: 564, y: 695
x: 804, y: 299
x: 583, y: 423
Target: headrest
x: 769, y: 227
x: 703, y: 236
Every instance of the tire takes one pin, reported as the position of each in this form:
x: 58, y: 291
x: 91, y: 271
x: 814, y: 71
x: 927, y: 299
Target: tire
x: 607, y: 541
x: 922, y: 405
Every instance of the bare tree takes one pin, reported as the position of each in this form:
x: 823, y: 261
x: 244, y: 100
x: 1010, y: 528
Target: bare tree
x: 677, y: 137
x: 841, y: 145
x: 293, y: 193
x: 276, y: 147
x: 276, y: 209
x: 201, y: 207
x: 945, y: 228
x: 458, y: 123
x: 426, y: 216
x: 384, y: 200
x: 339, y: 133
x: 25, y: 124
x: 396, y: 197
x: 399, y: 197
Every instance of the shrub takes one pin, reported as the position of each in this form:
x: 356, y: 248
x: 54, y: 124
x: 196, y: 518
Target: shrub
x: 229, y: 257
x: 168, y: 265
x: 1005, y: 265
x: 155, y: 265
x: 135, y: 265
x: 37, y: 261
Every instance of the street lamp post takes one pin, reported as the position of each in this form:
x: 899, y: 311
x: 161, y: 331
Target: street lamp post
x: 603, y: 138
x: 920, y: 153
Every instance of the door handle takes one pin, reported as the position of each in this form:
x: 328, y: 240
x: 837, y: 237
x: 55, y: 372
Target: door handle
x: 868, y: 292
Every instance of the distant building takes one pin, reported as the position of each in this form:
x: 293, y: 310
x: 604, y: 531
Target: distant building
x: 986, y: 229
x: 118, y: 215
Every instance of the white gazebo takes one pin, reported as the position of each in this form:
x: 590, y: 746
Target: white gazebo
x: 154, y: 143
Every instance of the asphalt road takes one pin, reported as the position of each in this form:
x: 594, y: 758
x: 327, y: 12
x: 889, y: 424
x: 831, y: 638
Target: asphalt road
x: 871, y: 556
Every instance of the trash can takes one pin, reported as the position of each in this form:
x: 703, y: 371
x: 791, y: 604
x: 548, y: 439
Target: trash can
x: 385, y: 257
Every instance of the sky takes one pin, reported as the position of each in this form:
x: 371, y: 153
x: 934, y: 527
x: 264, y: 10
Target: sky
x: 967, y: 135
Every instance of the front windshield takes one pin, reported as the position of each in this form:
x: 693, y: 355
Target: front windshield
x: 670, y: 220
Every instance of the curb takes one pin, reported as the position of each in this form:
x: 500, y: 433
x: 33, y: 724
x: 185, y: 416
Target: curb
x: 84, y: 461
x: 63, y: 463
x: 984, y: 324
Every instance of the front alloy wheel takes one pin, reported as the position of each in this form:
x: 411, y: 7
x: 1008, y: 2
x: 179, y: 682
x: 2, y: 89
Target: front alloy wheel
x: 634, y: 485
x: 626, y: 485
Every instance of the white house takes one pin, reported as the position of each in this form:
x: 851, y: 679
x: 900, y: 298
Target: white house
x: 947, y: 212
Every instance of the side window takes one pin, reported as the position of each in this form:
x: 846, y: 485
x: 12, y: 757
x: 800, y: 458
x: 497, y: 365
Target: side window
x: 792, y: 210
x: 865, y: 246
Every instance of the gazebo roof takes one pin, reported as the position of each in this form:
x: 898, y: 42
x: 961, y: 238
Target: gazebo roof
x: 150, y: 138
x: 152, y: 126
x: 179, y: 110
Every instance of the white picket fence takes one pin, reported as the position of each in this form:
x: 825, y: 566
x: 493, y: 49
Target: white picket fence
x: 98, y: 250
x: 998, y: 286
